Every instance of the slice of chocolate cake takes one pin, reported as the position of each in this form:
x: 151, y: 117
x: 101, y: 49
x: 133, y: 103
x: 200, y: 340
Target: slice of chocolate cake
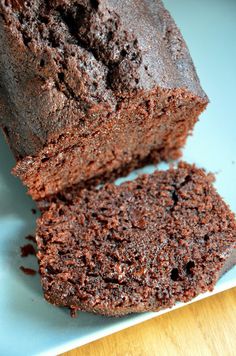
x: 140, y: 246
x: 93, y: 87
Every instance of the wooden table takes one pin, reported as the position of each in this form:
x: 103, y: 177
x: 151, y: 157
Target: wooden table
x: 207, y: 327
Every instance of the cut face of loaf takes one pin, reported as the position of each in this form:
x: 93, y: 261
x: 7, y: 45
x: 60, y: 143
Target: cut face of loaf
x: 92, y: 89
x: 141, y: 246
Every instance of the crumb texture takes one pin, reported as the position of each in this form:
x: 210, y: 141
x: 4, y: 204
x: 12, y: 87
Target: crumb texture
x: 140, y: 246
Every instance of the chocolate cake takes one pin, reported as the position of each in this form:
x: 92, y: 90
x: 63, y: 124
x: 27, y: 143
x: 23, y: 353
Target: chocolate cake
x: 92, y: 88
x: 143, y: 245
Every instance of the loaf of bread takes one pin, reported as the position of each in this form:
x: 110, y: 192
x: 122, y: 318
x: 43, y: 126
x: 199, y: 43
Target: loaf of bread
x: 92, y: 89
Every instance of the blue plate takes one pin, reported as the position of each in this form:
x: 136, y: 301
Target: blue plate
x: 28, y: 324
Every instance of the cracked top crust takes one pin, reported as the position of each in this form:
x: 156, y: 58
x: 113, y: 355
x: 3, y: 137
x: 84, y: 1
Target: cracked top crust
x: 76, y: 58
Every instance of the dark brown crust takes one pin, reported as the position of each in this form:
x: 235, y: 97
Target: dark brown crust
x: 141, y: 246
x: 77, y: 77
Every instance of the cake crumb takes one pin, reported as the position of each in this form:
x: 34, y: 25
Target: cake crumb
x: 74, y: 312
x: 28, y: 271
x: 30, y: 238
x: 27, y: 250
x: 34, y: 211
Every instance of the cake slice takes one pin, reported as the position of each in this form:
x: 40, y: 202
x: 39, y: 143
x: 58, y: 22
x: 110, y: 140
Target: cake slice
x: 140, y: 246
x: 92, y: 89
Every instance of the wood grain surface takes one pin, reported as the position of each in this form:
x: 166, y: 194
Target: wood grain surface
x: 207, y: 327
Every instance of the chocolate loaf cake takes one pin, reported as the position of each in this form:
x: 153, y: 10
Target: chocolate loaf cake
x: 143, y: 245
x: 92, y: 87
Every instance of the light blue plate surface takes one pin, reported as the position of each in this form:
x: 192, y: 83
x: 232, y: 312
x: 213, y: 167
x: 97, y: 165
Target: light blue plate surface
x: 30, y: 326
